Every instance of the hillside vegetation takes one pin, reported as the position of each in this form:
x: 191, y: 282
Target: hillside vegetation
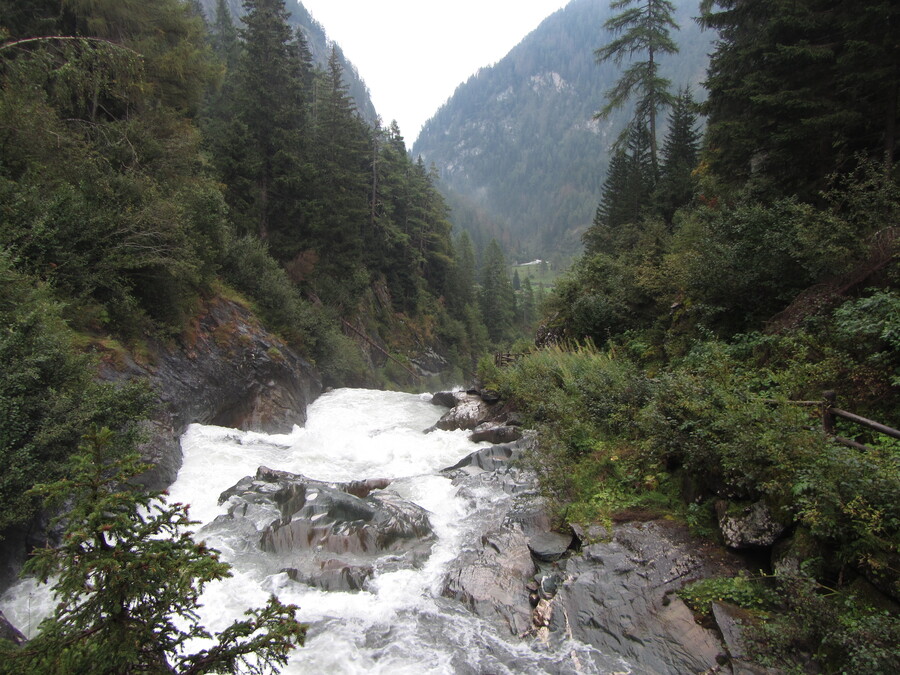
x: 520, y: 156
x: 150, y: 160
x: 686, y: 353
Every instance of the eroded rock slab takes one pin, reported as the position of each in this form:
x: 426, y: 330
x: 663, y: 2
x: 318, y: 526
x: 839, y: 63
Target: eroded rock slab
x: 331, y: 535
x: 614, y: 596
x: 491, y: 579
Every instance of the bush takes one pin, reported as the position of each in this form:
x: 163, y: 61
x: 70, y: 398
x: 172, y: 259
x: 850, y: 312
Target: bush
x: 47, y: 393
x: 844, y: 633
x: 741, y: 590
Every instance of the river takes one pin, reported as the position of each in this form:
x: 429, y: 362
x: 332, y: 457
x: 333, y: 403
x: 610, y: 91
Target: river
x: 399, y: 623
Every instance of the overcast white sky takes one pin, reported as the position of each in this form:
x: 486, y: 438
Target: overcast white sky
x: 412, y: 54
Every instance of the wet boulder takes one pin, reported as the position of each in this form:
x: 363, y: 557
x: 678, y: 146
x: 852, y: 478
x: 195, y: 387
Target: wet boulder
x: 494, y: 458
x: 498, y: 465
x: 617, y: 596
x: 330, y: 535
x: 493, y: 432
x: 491, y: 579
x: 749, y: 526
x: 447, y: 399
x: 470, y: 411
x: 334, y: 575
x: 549, y: 546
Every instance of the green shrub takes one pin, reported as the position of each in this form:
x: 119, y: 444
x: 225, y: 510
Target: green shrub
x: 841, y: 631
x: 741, y: 590
x: 48, y: 394
x: 870, y: 327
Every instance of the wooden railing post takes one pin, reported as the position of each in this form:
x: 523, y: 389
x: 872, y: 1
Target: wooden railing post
x: 828, y: 400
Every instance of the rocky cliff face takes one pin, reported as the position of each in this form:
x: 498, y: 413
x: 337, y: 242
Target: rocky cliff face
x: 228, y: 370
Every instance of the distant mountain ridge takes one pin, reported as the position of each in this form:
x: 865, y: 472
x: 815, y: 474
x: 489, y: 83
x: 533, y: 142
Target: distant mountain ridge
x: 319, y: 45
x: 520, y: 157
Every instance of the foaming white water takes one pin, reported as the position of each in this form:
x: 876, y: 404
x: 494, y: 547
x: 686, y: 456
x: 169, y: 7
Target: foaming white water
x: 400, y: 624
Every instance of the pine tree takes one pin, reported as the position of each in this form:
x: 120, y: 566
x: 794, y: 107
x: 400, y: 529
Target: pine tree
x: 129, y: 579
x: 627, y: 192
x: 679, y: 157
x: 498, y: 301
x: 643, y: 27
x: 270, y: 107
x: 342, y: 211
x: 527, y: 307
x: 797, y: 90
x: 464, y: 274
x: 225, y: 36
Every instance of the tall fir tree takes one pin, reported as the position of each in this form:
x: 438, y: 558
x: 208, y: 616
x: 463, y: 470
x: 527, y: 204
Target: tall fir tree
x: 643, y: 27
x: 498, y: 301
x: 679, y: 157
x: 224, y: 34
x: 270, y: 105
x: 627, y: 191
x: 798, y: 90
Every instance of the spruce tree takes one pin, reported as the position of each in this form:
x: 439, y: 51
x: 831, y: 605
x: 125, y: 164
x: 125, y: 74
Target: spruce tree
x: 679, y: 157
x: 271, y: 109
x: 798, y: 90
x: 128, y: 578
x: 642, y: 28
x: 498, y: 301
x: 225, y: 36
x: 627, y: 192
x: 343, y: 154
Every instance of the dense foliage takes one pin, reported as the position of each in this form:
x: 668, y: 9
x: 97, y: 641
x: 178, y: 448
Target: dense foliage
x: 519, y: 152
x: 128, y: 580
x: 150, y: 159
x: 724, y: 294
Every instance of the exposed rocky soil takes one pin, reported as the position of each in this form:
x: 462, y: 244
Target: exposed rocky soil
x: 228, y: 370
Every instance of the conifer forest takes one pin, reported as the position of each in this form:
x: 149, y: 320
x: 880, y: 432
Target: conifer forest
x: 736, y: 282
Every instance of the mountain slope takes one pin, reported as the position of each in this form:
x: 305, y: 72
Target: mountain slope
x: 319, y: 45
x: 520, y: 156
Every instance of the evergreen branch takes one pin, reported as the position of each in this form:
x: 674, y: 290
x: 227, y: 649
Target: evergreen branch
x: 67, y: 38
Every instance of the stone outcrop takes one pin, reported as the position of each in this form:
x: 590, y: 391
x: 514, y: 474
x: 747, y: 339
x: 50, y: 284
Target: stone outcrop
x: 482, y: 411
x: 751, y: 526
x: 491, y: 579
x: 429, y: 363
x: 617, y: 596
x: 331, y: 535
x: 492, y: 432
x: 469, y: 410
x: 228, y: 370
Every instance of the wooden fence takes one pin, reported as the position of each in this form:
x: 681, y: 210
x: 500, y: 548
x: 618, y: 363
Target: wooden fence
x: 830, y: 413
x: 502, y: 359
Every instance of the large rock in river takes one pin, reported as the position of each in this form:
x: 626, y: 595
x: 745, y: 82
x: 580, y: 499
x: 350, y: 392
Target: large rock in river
x: 331, y: 535
x: 468, y: 411
x: 491, y: 579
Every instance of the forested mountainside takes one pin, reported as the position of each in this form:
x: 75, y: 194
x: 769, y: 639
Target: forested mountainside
x: 520, y: 157
x: 319, y: 46
x: 731, y: 289
x: 151, y: 162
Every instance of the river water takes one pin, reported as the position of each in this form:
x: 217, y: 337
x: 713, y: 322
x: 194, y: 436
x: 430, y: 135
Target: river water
x: 400, y: 623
